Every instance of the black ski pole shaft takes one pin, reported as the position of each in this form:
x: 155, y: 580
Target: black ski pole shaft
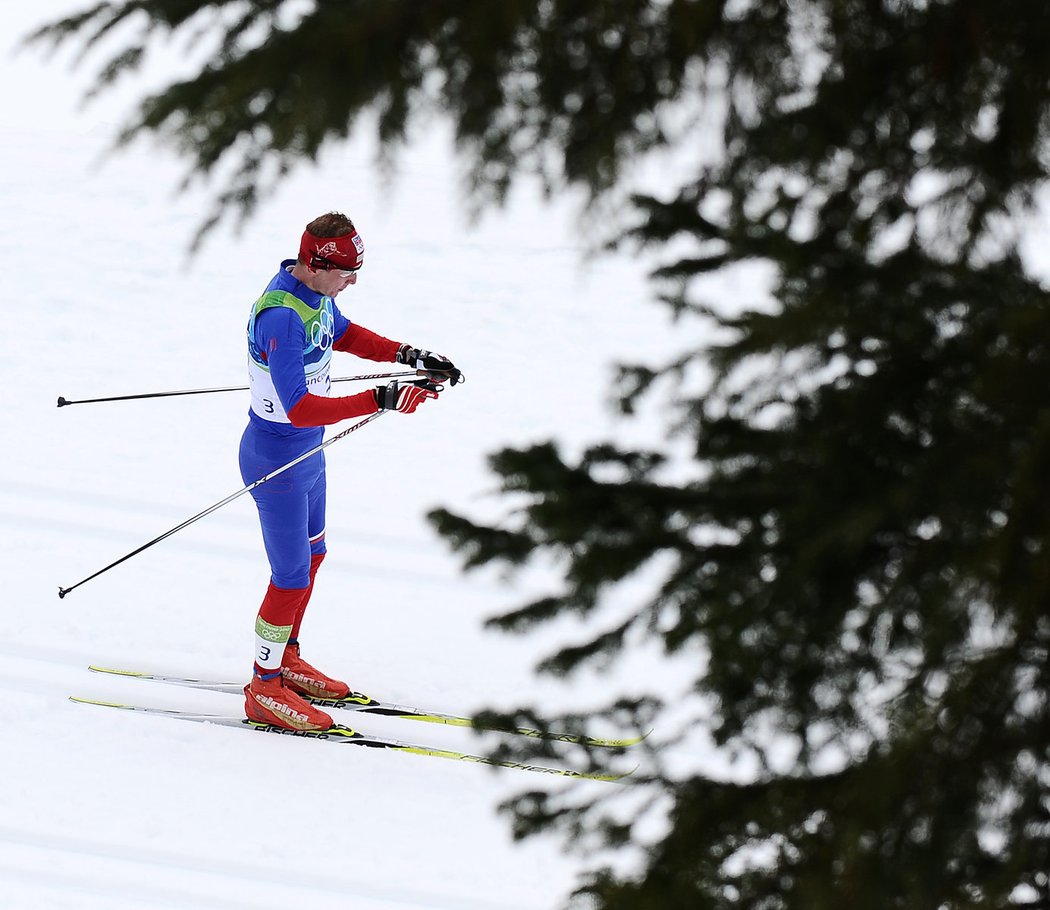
x: 62, y: 592
x: 62, y: 402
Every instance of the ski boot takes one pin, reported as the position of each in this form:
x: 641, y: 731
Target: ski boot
x: 308, y: 681
x: 268, y: 700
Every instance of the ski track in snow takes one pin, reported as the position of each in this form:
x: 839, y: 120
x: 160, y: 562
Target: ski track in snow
x: 99, y: 874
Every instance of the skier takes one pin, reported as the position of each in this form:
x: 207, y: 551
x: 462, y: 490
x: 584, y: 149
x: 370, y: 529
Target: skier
x: 292, y: 330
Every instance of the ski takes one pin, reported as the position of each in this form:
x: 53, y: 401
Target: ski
x: 358, y: 701
x: 341, y: 734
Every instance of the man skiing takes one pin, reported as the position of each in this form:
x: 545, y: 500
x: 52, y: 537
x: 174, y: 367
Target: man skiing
x: 292, y: 330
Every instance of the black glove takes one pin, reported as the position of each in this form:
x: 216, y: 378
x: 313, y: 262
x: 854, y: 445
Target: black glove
x: 435, y: 366
x: 405, y: 396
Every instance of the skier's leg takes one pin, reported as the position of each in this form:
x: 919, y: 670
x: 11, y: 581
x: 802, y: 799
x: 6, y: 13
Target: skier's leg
x: 298, y: 674
x: 316, y: 501
x: 283, y: 506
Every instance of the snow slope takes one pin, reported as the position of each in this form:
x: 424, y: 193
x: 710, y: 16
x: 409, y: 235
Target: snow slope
x: 106, y: 810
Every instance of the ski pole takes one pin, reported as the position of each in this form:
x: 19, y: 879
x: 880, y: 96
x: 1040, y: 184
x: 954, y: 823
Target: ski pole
x: 62, y: 592
x: 62, y: 402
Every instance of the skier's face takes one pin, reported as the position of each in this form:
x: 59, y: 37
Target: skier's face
x: 333, y: 281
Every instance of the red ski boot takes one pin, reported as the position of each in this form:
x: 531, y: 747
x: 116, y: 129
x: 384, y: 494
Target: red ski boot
x: 308, y: 681
x: 269, y: 701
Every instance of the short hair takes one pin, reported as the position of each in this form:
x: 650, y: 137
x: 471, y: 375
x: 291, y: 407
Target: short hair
x: 331, y: 224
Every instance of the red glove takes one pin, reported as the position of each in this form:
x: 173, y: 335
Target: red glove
x: 405, y: 396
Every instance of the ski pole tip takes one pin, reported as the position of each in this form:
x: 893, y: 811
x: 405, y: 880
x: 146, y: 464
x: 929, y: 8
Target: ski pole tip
x: 62, y: 401
x: 62, y: 592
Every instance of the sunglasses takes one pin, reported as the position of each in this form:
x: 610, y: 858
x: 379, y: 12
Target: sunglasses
x: 326, y: 265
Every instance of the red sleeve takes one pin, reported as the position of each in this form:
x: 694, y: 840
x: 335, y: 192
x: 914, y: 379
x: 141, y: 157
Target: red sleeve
x: 367, y: 344
x: 318, y: 411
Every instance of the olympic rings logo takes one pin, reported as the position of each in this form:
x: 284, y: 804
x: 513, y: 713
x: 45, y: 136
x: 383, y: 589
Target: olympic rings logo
x: 322, y: 329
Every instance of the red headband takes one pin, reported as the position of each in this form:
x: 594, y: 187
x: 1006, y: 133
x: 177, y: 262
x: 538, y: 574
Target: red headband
x: 346, y: 252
